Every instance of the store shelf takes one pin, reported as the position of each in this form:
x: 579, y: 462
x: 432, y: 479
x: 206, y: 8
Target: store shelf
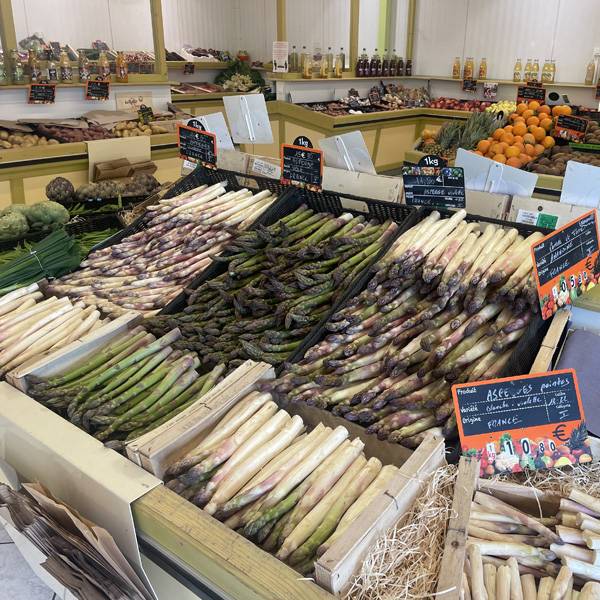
x: 134, y: 81
x: 199, y: 65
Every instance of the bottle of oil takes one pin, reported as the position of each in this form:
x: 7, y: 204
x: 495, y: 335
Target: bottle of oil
x: 338, y: 66
x: 589, y: 73
x: 535, y: 71
x: 362, y: 64
x: 329, y: 57
x: 528, y: 70
x: 343, y: 58
x: 307, y: 66
x: 482, y: 69
x: 553, y: 70
x: 456, y: 68
x: 103, y: 66
x: 408, y: 67
x: 517, y: 71
x: 303, y: 55
x: 35, y: 73
x: 83, y: 66
x: 324, y: 67
x: 293, y: 62
x: 66, y: 71
x: 122, y: 71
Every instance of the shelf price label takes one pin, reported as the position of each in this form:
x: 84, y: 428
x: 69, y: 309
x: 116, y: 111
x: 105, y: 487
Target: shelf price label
x: 145, y: 114
x: 97, y: 90
x: 566, y: 263
x: 189, y: 68
x: 42, y: 93
x: 197, y: 145
x: 469, y: 85
x: 524, y: 422
x: 572, y: 128
x: 302, y: 165
x: 526, y: 93
x: 435, y: 186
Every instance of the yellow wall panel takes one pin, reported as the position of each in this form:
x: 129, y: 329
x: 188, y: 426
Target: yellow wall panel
x: 4, y: 194
x: 369, y: 136
x: 169, y: 169
x: 393, y: 143
x: 35, y: 187
x: 292, y: 131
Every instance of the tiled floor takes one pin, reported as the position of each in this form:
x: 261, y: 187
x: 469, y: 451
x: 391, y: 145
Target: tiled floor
x: 17, y: 580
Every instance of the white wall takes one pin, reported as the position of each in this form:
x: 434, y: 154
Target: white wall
x: 368, y: 26
x: 399, y: 35
x: 562, y: 30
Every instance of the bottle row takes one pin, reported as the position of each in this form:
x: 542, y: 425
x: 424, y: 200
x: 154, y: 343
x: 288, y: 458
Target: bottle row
x: 323, y: 64
x: 14, y: 70
x: 388, y: 65
x: 530, y: 73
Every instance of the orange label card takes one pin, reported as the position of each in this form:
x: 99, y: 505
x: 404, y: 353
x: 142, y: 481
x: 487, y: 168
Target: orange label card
x: 197, y: 145
x: 570, y: 127
x: 566, y: 263
x: 524, y: 422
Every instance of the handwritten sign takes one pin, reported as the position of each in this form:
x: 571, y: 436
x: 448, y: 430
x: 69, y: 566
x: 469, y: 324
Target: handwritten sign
x: 301, y: 166
x: 569, y: 127
x: 133, y: 102
x: 525, y: 93
x: 97, y: 90
x: 525, y: 422
x: 434, y: 186
x: 536, y: 84
x: 42, y: 93
x: 469, y: 85
x: 145, y: 114
x: 197, y: 145
x: 566, y: 263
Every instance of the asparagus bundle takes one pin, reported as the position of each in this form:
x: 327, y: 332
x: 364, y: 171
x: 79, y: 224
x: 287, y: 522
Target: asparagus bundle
x: 148, y: 269
x: 292, y: 492
x: 281, y: 280
x: 129, y: 387
x: 31, y: 325
x: 446, y: 304
x: 533, y: 557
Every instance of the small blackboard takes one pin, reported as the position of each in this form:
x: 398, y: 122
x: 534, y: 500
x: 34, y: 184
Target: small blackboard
x: 189, y: 68
x: 434, y: 186
x: 535, y: 84
x: 301, y: 166
x: 197, y: 146
x: 562, y: 250
x: 469, y: 85
x: 145, y: 114
x: 42, y: 93
x: 570, y: 127
x: 97, y: 90
x: 374, y: 95
x: 526, y: 93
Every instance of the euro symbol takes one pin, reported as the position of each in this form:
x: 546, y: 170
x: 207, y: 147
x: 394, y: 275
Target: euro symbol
x: 558, y: 433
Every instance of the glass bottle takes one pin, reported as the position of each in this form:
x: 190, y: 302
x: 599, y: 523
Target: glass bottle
x: 394, y: 64
x: 84, y: 67
x: 547, y: 71
x: 338, y: 66
x: 307, y: 67
x: 18, y: 72
x: 103, y: 66
x: 385, y: 64
x: 324, y: 67
x: 66, y: 71
x: 400, y: 67
x: 482, y: 69
x: 553, y: 70
x: 343, y: 58
x: 35, y: 73
x: 122, y: 70
x: 52, y: 71
x: 535, y: 71
x: 329, y: 57
x: 527, y: 71
x: 374, y: 64
x: 456, y: 68
x: 3, y: 77
x: 408, y: 67
x: 469, y: 68
x: 361, y: 63
x: 293, y: 61
x: 589, y: 73
x: 517, y: 70
x: 302, y: 58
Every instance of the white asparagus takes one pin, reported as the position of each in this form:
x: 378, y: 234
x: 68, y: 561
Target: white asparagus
x: 570, y: 535
x: 589, y: 524
x: 582, y: 569
x: 568, y: 519
x: 561, y: 584
x: 15, y: 294
x: 591, y: 539
x: 544, y: 588
x: 528, y: 587
x: 571, y: 506
x: 590, y: 591
x: 465, y: 592
x: 503, y: 583
x: 478, y: 591
x: 585, y: 499
x: 578, y: 552
x: 512, y: 549
x: 489, y: 579
x: 516, y: 591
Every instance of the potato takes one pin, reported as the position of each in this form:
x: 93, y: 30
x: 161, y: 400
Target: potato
x: 120, y: 126
x: 53, y: 142
x: 126, y: 133
x: 147, y: 132
x: 131, y: 125
x: 5, y: 144
x: 43, y: 142
x: 4, y: 135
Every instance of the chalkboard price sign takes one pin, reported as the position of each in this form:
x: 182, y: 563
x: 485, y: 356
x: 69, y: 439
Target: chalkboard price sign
x: 197, y: 146
x: 189, y: 68
x: 535, y: 84
x: 566, y: 263
x: 301, y: 166
x: 145, y: 114
x: 524, y: 422
x: 42, y: 93
x: 525, y: 93
x: 569, y: 127
x: 434, y: 186
x: 469, y: 85
x: 97, y: 90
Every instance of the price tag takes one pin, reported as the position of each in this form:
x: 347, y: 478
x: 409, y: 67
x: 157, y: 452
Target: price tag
x: 524, y: 422
x: 197, y: 145
x: 145, y: 114
x: 374, y: 95
x: 490, y: 90
x: 434, y: 186
x: 525, y: 93
x: 189, y: 68
x: 97, y: 90
x: 302, y: 166
x: 570, y: 250
x: 432, y: 160
x: 469, y: 85
x: 42, y: 93
x: 535, y: 84
x: 569, y: 127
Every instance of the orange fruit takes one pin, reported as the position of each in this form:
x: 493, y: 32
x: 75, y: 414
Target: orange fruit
x: 556, y: 111
x: 478, y: 152
x: 513, y: 161
x: 519, y: 120
x: 520, y: 146
x: 544, y: 109
x: 518, y: 139
x: 507, y: 137
x: 508, y: 128
x: 530, y: 149
x: 533, y: 121
x: 521, y: 108
x: 539, y: 133
x: 539, y: 149
x: 512, y: 151
x: 519, y: 129
x: 534, y: 105
x: 498, y: 133
x: 496, y: 148
x: 500, y: 158
x: 504, y: 146
x: 566, y: 110
x: 489, y: 155
x: 546, y: 123
x: 548, y: 142
x: 483, y: 146
x: 525, y: 158
x: 528, y: 113
x: 528, y: 139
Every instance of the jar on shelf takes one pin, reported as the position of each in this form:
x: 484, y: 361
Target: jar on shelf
x: 456, y: 68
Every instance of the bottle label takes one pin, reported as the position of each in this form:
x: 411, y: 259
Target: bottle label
x: 52, y: 74
x: 66, y: 73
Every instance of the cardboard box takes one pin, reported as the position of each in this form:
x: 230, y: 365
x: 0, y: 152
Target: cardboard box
x: 122, y: 169
x: 543, y: 213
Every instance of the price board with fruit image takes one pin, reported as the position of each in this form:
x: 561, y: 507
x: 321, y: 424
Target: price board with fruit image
x: 525, y: 422
x: 566, y: 263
